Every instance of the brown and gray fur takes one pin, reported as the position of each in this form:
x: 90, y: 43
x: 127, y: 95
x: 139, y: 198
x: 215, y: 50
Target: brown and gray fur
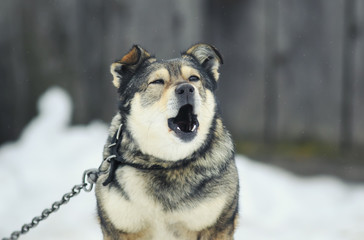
x: 194, y: 192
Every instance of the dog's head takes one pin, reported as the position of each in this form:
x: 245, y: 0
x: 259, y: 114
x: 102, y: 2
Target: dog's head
x: 169, y: 105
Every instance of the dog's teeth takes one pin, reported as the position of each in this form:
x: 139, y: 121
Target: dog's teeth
x: 193, y: 128
x: 179, y: 129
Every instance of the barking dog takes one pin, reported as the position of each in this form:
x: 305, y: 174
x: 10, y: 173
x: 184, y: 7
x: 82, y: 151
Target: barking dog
x: 169, y: 170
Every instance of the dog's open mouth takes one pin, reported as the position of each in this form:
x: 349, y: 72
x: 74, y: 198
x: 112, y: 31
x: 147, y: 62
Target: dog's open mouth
x: 185, y: 124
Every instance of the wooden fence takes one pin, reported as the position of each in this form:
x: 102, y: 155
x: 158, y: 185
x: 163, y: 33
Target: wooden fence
x: 293, y: 69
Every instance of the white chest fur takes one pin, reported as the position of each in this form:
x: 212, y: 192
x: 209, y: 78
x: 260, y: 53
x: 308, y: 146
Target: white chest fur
x: 141, y: 212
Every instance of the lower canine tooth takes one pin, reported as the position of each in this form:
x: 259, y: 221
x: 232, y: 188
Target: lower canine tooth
x: 193, y: 128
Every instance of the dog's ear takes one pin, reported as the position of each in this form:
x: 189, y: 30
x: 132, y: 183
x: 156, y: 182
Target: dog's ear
x: 208, y: 56
x: 128, y: 64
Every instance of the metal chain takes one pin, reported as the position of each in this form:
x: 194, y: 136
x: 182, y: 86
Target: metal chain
x: 88, y: 179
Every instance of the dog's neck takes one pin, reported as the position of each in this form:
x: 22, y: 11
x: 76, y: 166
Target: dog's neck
x: 118, y: 155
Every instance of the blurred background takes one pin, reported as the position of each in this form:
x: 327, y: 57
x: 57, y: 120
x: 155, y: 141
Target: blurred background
x: 291, y: 89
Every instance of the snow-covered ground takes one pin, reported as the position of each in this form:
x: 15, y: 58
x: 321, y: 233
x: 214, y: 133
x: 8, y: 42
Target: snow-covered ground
x: 50, y: 157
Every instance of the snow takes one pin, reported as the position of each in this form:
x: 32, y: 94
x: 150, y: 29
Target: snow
x: 50, y: 157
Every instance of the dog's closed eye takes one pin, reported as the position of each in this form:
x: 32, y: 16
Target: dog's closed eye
x: 193, y: 78
x: 157, y: 81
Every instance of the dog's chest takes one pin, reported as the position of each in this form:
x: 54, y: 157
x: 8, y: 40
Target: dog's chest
x: 133, y: 210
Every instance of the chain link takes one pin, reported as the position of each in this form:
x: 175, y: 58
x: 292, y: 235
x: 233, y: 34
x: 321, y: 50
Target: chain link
x: 88, y: 179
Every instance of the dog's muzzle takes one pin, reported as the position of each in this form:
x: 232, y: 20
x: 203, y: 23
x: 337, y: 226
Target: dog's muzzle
x: 185, y: 124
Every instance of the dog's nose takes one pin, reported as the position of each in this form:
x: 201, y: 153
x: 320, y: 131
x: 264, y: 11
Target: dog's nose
x: 185, y: 89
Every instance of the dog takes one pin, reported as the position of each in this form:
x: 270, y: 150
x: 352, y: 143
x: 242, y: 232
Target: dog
x: 169, y: 170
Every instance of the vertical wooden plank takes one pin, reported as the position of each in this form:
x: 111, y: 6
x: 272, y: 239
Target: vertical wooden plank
x: 310, y: 45
x: 89, y: 37
x: 271, y: 62
x: 237, y: 28
x: 15, y: 106
x: 349, y: 40
x: 358, y: 84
